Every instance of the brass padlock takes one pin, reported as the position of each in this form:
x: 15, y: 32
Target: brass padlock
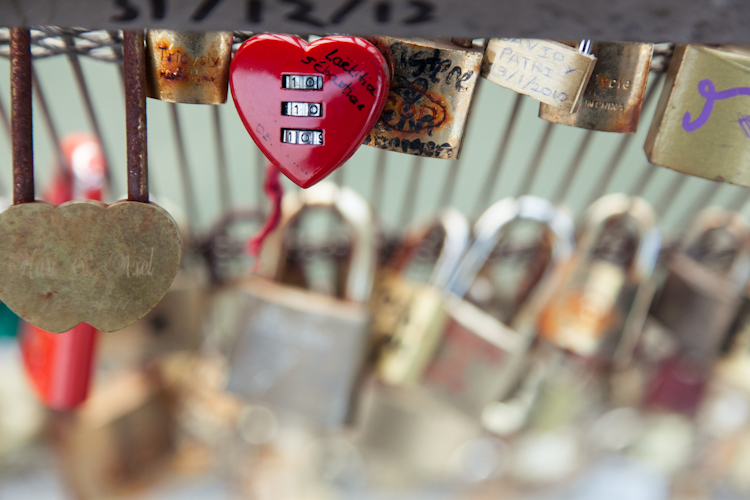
x: 409, y: 313
x: 614, y: 95
x: 298, y: 350
x: 614, y: 259
x: 550, y: 72
x: 702, y: 294
x: 698, y: 128
x: 188, y: 66
x: 483, y: 349
x: 432, y: 84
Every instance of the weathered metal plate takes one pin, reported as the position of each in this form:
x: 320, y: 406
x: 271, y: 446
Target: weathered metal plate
x: 550, y: 72
x: 432, y: 83
x: 635, y: 20
x: 613, y: 97
x: 86, y: 262
x: 702, y: 122
x: 188, y: 66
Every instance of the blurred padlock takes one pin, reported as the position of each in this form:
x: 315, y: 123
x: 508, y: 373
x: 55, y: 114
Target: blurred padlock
x: 432, y: 85
x: 550, y: 72
x: 614, y: 259
x: 298, y: 350
x: 702, y: 123
x: 188, y: 66
x: 707, y: 277
x: 698, y: 305
x: 483, y: 349
x: 614, y: 95
x: 408, y: 314
x: 122, y: 437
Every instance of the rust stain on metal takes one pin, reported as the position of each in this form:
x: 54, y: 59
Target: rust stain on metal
x: 135, y: 115
x: 21, y: 120
x: 432, y: 83
x: 187, y: 66
x: 613, y: 97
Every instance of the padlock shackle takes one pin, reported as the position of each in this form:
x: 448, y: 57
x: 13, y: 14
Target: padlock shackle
x: 358, y: 216
x: 637, y: 210
x: 457, y: 232
x: 718, y: 218
x: 134, y: 61
x: 21, y: 116
x: 489, y: 228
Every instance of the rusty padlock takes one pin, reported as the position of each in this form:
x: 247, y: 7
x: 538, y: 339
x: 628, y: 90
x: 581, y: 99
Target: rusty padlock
x: 614, y: 95
x: 432, y: 84
x: 188, y: 66
x: 606, y: 282
x: 297, y: 350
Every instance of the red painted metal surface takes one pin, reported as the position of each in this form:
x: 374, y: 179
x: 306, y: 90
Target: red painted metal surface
x: 345, y: 75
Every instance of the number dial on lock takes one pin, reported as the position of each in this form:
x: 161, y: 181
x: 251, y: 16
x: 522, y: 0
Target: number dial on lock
x: 84, y: 261
x: 308, y: 107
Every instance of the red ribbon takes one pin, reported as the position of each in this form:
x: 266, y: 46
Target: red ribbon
x: 274, y: 191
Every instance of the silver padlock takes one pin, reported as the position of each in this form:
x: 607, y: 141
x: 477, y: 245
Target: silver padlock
x: 604, y: 297
x: 297, y: 350
x: 484, y: 348
x: 703, y: 292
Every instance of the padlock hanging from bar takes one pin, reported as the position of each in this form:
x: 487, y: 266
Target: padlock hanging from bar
x: 431, y: 91
x: 188, y: 66
x: 84, y: 261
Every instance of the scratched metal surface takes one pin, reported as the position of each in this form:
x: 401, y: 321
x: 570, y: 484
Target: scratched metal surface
x: 202, y: 160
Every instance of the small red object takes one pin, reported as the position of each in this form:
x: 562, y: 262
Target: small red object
x: 60, y: 364
x: 274, y: 190
x: 308, y: 107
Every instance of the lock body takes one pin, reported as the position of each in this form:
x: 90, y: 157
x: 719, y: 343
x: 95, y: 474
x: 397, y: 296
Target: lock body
x: 550, y: 72
x: 432, y: 85
x: 614, y: 95
x: 701, y: 125
x: 606, y: 286
x: 300, y: 351
x: 188, y: 66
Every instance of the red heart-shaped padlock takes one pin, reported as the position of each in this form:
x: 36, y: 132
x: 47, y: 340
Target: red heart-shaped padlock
x: 308, y: 107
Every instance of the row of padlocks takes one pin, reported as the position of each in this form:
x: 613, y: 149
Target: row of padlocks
x: 506, y: 357
x: 460, y: 361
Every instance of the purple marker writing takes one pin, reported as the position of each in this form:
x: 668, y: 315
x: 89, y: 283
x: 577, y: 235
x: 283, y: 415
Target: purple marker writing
x: 707, y: 89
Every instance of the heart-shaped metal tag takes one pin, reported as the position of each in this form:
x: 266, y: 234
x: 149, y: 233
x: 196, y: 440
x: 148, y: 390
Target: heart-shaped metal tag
x: 308, y: 107
x: 86, y: 261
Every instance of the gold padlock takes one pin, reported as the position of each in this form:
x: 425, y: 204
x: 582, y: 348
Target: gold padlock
x: 616, y: 254
x: 550, y: 72
x: 432, y: 84
x: 188, y: 66
x: 413, y: 311
x: 698, y: 127
x: 614, y: 95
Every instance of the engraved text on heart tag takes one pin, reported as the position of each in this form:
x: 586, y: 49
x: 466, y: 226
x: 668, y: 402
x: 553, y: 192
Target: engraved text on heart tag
x: 86, y: 262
